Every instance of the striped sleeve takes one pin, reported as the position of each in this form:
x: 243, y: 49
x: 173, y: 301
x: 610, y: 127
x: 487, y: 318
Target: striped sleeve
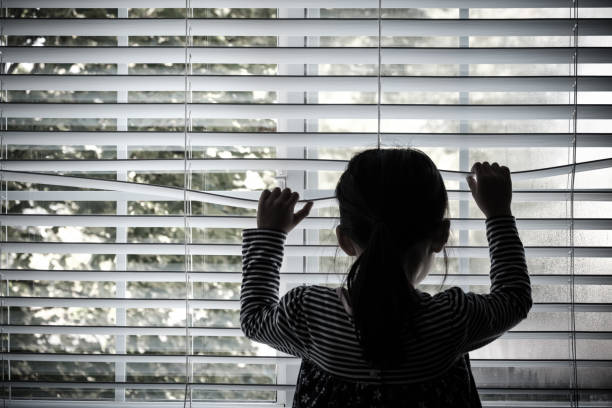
x: 483, y: 318
x: 279, y: 323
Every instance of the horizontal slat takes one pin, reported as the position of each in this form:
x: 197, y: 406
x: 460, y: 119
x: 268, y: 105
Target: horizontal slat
x: 545, y: 404
x: 286, y: 277
x: 148, y: 303
x: 232, y: 332
x: 306, y: 83
x: 566, y: 307
x: 293, y: 55
x: 481, y: 363
x: 102, y: 196
x: 199, y: 359
x: 303, y: 111
x: 234, y: 199
x: 306, y: 3
x: 241, y: 196
x: 149, y: 386
x: 211, y: 359
x: 123, y: 303
x: 305, y: 27
x: 179, y: 165
x: 562, y: 392
x: 36, y: 403
x: 125, y: 330
x: 169, y: 139
x: 168, y: 192
x: 261, y: 387
x: 203, y: 221
x: 176, y: 165
x: 62, y: 403
x: 13, y: 247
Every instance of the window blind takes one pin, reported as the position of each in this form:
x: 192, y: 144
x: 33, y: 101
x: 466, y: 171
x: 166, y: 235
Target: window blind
x: 136, y: 137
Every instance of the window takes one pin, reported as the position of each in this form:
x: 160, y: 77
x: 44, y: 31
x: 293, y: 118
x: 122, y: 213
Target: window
x: 135, y: 141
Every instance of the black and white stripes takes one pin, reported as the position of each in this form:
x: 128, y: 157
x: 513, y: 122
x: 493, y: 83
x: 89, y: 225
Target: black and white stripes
x: 311, y: 322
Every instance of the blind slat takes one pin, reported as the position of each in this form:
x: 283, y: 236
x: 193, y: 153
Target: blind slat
x: 290, y: 55
x: 177, y: 221
x: 307, y: 3
x: 145, y: 386
x: 242, y: 404
x: 38, y: 403
x: 244, y: 199
x: 232, y: 332
x: 305, y: 27
x: 290, y: 250
x: 305, y: 111
x: 148, y: 303
x: 306, y: 83
x: 286, y: 277
x: 178, y: 165
x: 173, y: 139
x: 253, y: 386
x: 207, y: 359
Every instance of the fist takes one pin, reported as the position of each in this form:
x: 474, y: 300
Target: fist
x: 491, y: 188
x: 275, y: 210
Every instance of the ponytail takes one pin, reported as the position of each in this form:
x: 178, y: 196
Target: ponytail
x: 391, y: 204
x: 382, y: 298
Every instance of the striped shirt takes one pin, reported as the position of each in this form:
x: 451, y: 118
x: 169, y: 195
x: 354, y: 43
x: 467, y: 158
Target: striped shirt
x: 311, y: 321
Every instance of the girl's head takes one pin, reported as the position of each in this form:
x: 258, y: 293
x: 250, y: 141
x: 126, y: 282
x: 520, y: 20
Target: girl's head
x: 392, y: 217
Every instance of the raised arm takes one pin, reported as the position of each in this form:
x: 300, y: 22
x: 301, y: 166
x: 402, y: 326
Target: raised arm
x: 264, y: 317
x: 481, y: 319
x: 486, y: 317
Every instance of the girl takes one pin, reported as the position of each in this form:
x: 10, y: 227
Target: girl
x: 381, y: 342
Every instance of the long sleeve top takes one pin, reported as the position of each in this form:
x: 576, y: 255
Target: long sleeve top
x: 311, y: 322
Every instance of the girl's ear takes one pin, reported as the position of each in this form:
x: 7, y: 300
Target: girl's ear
x: 441, y: 237
x: 345, y: 242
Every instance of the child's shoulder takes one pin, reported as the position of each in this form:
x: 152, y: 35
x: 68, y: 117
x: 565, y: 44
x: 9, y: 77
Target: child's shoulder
x: 319, y: 290
x: 423, y: 295
x: 316, y: 288
x: 320, y: 293
x: 447, y: 297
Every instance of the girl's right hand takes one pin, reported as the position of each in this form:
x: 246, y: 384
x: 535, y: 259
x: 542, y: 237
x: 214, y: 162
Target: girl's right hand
x: 491, y: 188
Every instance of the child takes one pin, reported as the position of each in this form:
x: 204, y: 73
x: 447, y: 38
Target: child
x: 381, y: 342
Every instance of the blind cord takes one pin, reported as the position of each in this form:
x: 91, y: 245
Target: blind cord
x: 574, y: 366
x: 378, y: 93
x: 186, y: 203
x: 4, y: 344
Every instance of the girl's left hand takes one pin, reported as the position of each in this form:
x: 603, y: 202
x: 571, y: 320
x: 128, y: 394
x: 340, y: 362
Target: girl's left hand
x: 275, y: 210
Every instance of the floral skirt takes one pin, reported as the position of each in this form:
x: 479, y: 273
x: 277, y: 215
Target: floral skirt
x: 317, y: 388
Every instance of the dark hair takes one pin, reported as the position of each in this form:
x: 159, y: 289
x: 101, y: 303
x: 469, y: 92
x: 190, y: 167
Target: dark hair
x: 391, y: 201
